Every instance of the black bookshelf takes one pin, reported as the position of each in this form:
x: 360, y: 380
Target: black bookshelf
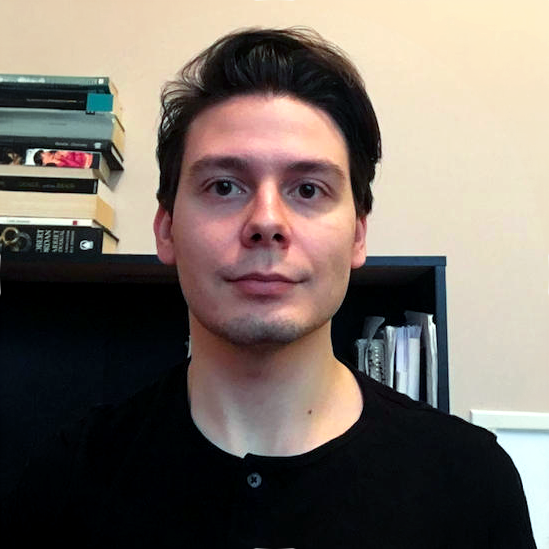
x: 78, y: 332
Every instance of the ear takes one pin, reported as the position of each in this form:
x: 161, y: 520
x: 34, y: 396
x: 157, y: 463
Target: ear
x: 163, y: 233
x: 359, y: 245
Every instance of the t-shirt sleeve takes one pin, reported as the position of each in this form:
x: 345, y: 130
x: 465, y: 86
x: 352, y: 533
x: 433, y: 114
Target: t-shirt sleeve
x: 511, y: 527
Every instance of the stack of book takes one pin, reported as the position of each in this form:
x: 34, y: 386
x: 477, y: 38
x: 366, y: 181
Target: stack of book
x: 60, y: 138
x: 402, y: 357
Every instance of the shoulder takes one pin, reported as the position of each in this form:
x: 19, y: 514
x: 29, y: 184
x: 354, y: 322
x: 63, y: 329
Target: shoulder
x: 462, y: 463
x: 426, y: 440
x: 408, y: 423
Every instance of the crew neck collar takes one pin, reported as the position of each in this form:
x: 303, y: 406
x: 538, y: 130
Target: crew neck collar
x: 215, y: 451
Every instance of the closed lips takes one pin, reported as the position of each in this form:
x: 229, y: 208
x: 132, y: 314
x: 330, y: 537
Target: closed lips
x: 264, y: 278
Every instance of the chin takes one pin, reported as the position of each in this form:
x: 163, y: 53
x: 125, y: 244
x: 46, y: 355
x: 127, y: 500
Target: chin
x: 253, y: 331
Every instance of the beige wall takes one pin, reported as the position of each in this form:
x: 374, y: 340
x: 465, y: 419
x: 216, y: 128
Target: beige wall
x: 462, y: 92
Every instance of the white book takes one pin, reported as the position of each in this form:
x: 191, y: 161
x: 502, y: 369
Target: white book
x: 429, y: 343
x: 401, y: 360
x: 407, y: 360
x: 413, y: 333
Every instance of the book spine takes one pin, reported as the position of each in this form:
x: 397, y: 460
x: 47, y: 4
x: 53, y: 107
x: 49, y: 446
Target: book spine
x: 37, y: 204
x: 100, y: 83
x: 105, y: 146
x: 40, y: 240
x: 48, y: 184
x: 55, y: 221
x: 61, y: 160
x: 43, y: 99
x: 71, y: 100
x: 17, y: 220
x: 104, y: 102
x: 66, y: 124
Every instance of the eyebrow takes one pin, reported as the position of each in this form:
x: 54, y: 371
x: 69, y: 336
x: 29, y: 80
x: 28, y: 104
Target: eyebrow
x: 242, y: 164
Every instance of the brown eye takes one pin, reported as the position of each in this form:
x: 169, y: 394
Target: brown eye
x: 307, y: 190
x: 223, y: 187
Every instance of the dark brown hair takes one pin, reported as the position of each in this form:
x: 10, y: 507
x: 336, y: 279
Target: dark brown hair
x: 296, y: 62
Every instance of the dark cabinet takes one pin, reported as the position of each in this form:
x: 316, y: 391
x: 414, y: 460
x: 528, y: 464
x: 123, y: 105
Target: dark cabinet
x: 74, y: 333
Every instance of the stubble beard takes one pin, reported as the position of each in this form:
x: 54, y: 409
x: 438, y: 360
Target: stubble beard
x: 250, y: 331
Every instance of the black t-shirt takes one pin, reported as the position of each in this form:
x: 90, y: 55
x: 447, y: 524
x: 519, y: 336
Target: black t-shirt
x: 141, y: 474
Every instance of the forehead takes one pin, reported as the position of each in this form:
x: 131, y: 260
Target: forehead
x: 267, y: 129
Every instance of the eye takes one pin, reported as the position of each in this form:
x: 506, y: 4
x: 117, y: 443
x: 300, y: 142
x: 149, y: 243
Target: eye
x: 224, y: 187
x: 307, y: 190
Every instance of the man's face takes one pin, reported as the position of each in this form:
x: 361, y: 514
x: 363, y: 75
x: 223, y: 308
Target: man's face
x: 264, y: 229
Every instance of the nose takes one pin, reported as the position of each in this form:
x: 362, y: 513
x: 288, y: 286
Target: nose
x: 267, y: 222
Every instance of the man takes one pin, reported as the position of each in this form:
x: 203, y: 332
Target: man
x: 267, y: 146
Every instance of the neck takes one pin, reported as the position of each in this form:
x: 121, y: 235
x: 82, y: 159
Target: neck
x: 270, y: 400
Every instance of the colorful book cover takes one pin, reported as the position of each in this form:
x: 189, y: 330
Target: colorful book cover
x: 62, y: 158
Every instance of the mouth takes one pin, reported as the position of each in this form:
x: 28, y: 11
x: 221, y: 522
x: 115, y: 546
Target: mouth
x: 265, y: 277
x: 264, y: 284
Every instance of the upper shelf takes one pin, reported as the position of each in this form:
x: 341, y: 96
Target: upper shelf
x: 129, y: 268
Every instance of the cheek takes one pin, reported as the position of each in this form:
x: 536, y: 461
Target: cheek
x: 332, y: 244
x: 200, y: 250
x: 332, y: 263
x: 198, y: 227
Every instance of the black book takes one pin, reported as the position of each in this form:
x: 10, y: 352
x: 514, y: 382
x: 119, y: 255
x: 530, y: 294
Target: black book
x: 61, y: 99
x: 44, y: 98
x: 44, y: 240
x: 98, y: 84
x: 50, y: 184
